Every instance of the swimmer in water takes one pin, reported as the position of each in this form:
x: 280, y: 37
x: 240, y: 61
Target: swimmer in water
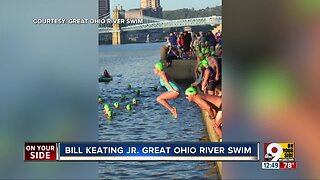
x: 100, y: 99
x: 123, y: 97
x: 116, y: 105
x: 106, y: 109
x: 109, y: 115
x: 138, y: 92
x: 167, y: 82
x: 134, y: 101
x: 128, y: 107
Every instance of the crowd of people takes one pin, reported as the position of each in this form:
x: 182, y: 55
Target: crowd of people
x: 206, y: 90
x: 183, y: 45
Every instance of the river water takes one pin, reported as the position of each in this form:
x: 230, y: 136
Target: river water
x: 148, y: 121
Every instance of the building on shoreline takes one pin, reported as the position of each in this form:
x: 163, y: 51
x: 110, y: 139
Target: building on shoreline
x: 149, y: 4
x: 151, y: 8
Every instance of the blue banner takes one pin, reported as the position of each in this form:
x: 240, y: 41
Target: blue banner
x: 159, y: 151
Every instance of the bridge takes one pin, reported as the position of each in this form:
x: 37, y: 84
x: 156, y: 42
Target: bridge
x: 153, y: 23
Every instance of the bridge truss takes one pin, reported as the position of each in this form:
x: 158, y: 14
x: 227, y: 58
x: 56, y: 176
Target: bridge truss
x: 212, y: 20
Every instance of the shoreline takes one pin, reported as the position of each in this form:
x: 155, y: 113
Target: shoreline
x: 213, y: 137
x: 133, y: 43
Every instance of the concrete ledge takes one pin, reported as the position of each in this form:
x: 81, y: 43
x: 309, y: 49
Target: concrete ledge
x: 181, y: 70
x: 213, y: 136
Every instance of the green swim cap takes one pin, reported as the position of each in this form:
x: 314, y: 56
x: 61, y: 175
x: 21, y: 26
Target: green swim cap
x: 159, y: 66
x: 197, y: 48
x: 200, y: 66
x: 213, y: 53
x: 191, y: 90
x: 206, y: 42
x: 203, y: 50
x: 207, y: 51
x: 106, y: 107
x: 204, y: 63
x: 134, y: 99
x: 110, y: 113
x: 155, y: 88
x: 128, y: 107
x: 116, y: 104
x: 200, y: 54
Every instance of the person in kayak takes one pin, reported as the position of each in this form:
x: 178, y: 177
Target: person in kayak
x: 167, y: 82
x: 106, y: 73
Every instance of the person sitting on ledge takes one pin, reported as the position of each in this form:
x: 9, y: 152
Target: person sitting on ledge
x: 172, y: 54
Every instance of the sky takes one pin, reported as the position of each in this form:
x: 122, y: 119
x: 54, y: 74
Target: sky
x: 168, y: 4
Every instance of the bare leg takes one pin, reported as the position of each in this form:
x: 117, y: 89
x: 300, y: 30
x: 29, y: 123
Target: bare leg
x: 217, y: 122
x: 162, y: 99
x: 219, y: 118
x: 218, y: 131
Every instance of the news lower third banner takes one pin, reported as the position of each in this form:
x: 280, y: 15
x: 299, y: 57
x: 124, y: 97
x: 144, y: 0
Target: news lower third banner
x: 141, y: 151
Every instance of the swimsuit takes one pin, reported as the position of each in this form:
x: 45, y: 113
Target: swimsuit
x: 175, y: 87
x: 211, y: 80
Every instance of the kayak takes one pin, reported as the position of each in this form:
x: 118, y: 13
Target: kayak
x: 105, y: 79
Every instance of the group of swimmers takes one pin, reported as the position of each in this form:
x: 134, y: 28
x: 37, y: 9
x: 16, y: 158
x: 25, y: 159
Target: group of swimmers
x: 107, y: 111
x: 205, y: 91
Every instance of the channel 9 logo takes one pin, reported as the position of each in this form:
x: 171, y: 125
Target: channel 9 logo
x: 279, y: 152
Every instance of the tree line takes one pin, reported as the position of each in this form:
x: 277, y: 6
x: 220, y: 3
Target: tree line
x: 186, y: 13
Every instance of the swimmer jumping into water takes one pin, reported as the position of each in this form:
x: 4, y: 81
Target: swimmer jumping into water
x: 173, y: 90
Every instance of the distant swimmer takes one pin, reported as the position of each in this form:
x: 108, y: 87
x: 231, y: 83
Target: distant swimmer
x: 134, y: 101
x: 123, y: 97
x: 100, y: 100
x: 128, y: 107
x: 167, y: 82
x: 138, y: 92
x: 109, y: 115
x: 106, y: 109
x: 116, y: 105
x: 155, y: 88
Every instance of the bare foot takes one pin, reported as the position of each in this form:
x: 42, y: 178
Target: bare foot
x: 174, y: 112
